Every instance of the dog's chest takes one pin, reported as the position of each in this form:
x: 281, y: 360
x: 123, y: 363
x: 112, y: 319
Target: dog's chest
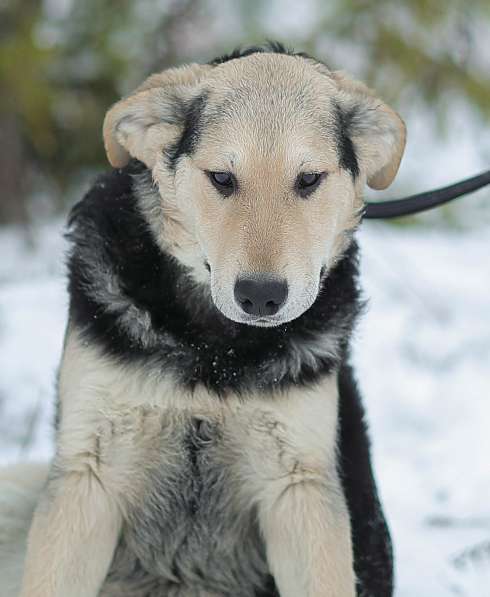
x: 190, y: 517
x: 191, y: 522
x: 191, y: 470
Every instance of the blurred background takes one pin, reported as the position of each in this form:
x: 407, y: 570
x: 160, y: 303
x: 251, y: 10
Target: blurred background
x: 423, y: 349
x: 62, y: 63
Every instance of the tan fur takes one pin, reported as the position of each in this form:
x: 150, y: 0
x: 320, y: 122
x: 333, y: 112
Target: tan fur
x: 72, y: 538
x: 310, y: 554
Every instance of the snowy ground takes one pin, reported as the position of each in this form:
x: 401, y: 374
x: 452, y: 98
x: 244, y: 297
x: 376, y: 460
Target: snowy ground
x: 423, y: 358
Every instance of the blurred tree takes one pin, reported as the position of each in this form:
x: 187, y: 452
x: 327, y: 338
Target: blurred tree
x: 432, y: 43
x: 62, y: 63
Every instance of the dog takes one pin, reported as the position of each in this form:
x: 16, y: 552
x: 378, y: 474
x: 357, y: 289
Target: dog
x: 210, y: 436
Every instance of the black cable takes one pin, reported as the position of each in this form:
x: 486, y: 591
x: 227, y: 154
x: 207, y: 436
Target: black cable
x: 413, y: 204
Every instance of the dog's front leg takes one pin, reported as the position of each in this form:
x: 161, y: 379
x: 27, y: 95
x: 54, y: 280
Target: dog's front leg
x: 307, y: 534
x: 72, y: 538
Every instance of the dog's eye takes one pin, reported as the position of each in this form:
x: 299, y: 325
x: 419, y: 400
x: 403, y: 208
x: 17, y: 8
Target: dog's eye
x: 224, y: 182
x: 307, y: 182
x: 308, y: 179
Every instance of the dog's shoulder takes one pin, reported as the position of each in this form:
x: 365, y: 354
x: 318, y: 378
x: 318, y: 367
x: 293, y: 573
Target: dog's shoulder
x: 112, y: 251
x: 107, y: 218
x: 116, y: 271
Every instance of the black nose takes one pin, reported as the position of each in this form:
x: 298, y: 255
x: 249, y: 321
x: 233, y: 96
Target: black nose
x: 260, y: 294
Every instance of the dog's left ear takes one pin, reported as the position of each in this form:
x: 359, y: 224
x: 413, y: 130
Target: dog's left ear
x: 152, y: 117
x: 377, y: 132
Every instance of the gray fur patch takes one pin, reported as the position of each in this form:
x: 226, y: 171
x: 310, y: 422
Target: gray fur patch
x: 189, y: 533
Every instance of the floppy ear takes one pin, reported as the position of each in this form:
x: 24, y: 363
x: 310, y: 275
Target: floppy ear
x: 377, y: 132
x: 141, y: 124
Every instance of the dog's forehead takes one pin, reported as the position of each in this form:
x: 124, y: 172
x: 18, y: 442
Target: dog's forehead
x: 264, y: 68
x: 277, y: 82
x: 270, y: 104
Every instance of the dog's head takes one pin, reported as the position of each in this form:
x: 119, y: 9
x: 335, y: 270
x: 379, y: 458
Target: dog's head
x: 260, y: 161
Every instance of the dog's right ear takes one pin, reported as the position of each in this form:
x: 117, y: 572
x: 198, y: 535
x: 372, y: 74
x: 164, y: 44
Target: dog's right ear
x: 152, y: 117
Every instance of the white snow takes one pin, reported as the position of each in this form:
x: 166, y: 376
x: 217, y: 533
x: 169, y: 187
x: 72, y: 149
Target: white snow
x: 422, y: 354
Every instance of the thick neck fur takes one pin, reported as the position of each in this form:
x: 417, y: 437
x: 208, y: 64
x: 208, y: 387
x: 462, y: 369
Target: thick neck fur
x: 138, y: 303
